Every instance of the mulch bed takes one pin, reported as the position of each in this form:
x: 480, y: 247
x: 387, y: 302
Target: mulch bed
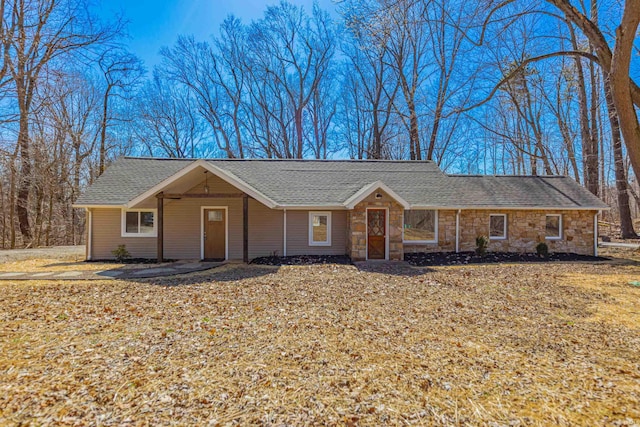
x: 302, y: 260
x: 462, y: 258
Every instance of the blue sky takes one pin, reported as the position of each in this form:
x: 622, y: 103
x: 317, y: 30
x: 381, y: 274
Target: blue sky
x: 157, y: 23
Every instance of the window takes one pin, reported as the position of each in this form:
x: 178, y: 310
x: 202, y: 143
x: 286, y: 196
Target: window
x: 498, y: 226
x: 139, y: 223
x: 553, y: 227
x: 420, y: 226
x: 319, y: 228
x: 214, y: 216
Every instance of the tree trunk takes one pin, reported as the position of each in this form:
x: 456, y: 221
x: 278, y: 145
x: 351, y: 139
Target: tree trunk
x: 414, y: 132
x: 103, y: 132
x: 299, y: 139
x: 12, y: 198
x: 585, y: 128
x: 626, y: 223
x: 436, y: 124
x: 24, y: 180
x: 376, y: 150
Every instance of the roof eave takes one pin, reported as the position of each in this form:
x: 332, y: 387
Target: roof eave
x: 222, y: 174
x: 96, y: 206
x: 513, y: 208
x: 368, y: 189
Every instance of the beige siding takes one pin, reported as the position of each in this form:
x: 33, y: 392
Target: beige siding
x: 298, y: 234
x: 106, y: 237
x: 183, y: 228
x: 265, y: 230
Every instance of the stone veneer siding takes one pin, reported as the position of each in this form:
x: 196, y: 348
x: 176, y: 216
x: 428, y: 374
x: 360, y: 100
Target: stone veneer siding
x: 525, y: 228
x: 357, y: 227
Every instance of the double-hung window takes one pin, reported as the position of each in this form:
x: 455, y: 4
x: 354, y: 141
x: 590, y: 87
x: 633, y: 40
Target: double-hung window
x: 553, y: 227
x: 319, y: 228
x: 420, y: 226
x: 497, y: 226
x: 139, y: 223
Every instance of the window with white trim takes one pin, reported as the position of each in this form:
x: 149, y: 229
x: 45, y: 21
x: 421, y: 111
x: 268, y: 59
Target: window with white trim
x: 319, y: 228
x: 139, y: 223
x: 420, y: 226
x: 553, y: 227
x: 497, y: 226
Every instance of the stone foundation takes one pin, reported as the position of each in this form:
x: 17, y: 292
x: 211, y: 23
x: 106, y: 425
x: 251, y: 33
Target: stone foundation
x: 525, y: 229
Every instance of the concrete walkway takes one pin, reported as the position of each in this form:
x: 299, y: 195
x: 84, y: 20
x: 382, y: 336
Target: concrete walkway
x: 179, y: 267
x: 619, y: 245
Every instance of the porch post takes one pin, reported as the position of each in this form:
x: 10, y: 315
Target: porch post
x: 245, y: 228
x: 160, y: 238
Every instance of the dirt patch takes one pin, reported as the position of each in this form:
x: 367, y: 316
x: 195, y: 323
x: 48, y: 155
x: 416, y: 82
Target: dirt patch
x: 302, y: 260
x: 323, y: 345
x: 74, y: 253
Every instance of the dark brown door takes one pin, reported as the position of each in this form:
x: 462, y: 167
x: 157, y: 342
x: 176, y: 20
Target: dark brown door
x: 376, y: 232
x: 214, y: 234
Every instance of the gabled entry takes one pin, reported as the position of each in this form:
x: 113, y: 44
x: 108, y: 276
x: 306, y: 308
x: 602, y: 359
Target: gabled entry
x: 376, y: 233
x: 214, y: 233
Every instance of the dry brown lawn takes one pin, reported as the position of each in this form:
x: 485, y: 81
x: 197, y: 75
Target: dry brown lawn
x: 547, y: 344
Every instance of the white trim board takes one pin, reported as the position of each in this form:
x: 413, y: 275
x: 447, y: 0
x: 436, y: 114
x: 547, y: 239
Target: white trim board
x: 224, y: 175
x: 367, y: 190
x: 327, y: 242
x: 123, y: 223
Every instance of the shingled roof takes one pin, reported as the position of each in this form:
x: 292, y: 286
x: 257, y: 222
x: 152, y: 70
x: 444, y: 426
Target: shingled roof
x: 291, y: 183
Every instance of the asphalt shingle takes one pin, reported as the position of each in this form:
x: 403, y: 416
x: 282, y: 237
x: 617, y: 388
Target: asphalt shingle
x: 332, y: 182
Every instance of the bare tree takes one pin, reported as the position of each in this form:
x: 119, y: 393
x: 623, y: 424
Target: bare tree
x: 626, y: 222
x: 40, y: 31
x: 121, y: 72
x: 294, y: 50
x: 374, y: 85
x: 168, y: 121
x: 408, y: 45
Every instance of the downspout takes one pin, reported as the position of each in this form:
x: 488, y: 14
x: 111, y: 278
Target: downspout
x: 458, y: 231
x: 284, y: 234
x: 89, y: 251
x: 595, y: 234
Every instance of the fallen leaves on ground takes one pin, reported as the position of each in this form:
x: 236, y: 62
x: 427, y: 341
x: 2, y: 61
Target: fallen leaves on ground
x: 499, y: 345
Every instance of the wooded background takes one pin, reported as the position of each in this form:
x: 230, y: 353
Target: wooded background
x: 509, y: 87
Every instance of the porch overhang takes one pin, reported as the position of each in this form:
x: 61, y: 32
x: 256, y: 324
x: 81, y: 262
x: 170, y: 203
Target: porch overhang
x: 177, y: 185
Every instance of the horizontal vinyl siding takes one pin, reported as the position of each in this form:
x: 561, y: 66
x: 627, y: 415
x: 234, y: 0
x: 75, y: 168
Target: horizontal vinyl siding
x: 298, y: 234
x: 183, y: 226
x: 265, y: 230
x: 183, y: 222
x: 216, y: 185
x: 182, y: 230
x: 106, y: 236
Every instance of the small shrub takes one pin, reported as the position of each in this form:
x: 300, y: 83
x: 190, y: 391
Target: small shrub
x: 121, y: 253
x: 482, y: 242
x: 542, y: 250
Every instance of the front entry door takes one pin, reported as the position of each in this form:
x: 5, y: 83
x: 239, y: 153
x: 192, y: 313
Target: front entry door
x: 214, y: 234
x: 376, y: 233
